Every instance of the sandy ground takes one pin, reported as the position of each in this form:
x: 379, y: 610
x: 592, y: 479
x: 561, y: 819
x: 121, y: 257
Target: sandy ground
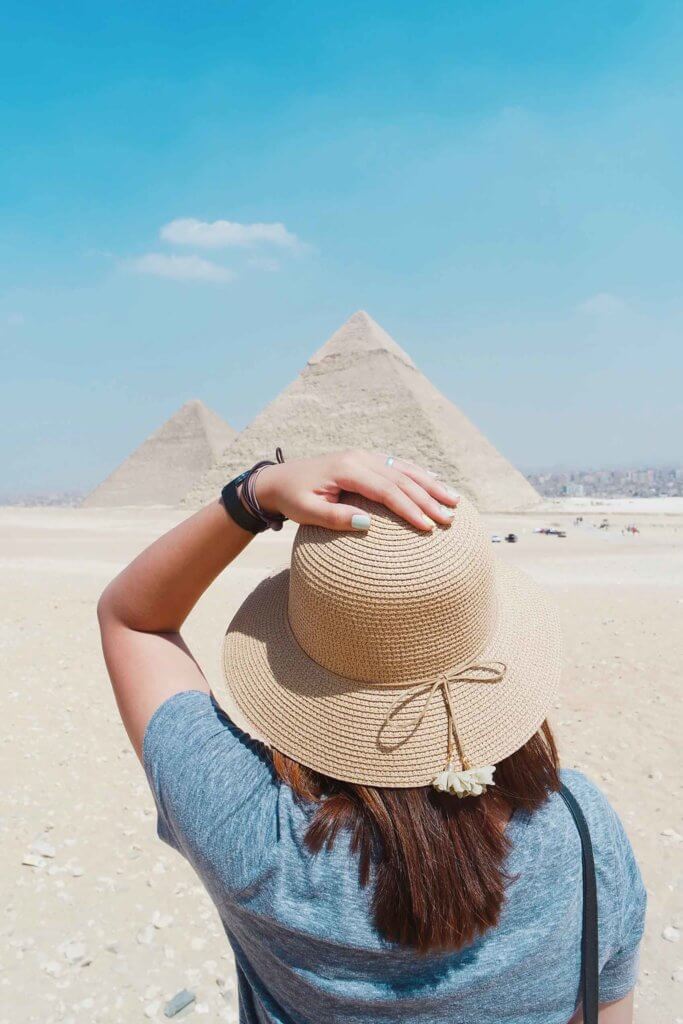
x: 112, y: 924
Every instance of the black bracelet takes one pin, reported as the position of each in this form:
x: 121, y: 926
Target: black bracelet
x: 236, y: 510
x: 245, y: 509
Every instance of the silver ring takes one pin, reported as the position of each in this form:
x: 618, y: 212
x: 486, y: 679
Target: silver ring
x: 390, y: 460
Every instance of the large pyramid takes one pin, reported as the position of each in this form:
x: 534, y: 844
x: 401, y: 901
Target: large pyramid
x: 169, y: 463
x: 362, y: 390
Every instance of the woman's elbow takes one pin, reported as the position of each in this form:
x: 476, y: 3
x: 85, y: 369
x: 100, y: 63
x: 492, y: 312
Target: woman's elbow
x: 105, y: 607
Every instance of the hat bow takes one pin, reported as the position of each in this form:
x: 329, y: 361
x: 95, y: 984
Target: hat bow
x: 469, y: 780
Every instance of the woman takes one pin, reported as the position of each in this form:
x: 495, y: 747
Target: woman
x: 371, y: 797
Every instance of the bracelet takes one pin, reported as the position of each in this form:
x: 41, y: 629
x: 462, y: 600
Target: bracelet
x: 245, y: 509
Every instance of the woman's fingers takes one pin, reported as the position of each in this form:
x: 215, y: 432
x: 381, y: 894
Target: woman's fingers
x: 437, y: 510
x: 433, y: 497
x: 438, y: 490
x: 384, y: 488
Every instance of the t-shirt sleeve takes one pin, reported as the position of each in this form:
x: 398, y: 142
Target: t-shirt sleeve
x: 213, y: 786
x: 620, y: 973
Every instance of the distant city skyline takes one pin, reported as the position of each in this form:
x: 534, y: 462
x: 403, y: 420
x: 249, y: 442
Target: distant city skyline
x: 194, y: 200
x: 643, y: 482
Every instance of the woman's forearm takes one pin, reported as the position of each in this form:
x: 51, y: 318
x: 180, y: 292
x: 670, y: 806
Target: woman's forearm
x: 159, y: 589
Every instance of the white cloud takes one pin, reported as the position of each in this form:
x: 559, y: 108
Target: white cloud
x: 180, y: 268
x: 223, y: 234
x: 602, y: 304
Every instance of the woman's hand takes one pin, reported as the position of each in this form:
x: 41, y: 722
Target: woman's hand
x: 308, y: 490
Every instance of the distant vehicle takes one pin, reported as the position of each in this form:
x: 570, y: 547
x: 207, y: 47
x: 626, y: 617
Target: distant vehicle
x: 511, y: 538
x: 496, y: 538
x: 550, y: 531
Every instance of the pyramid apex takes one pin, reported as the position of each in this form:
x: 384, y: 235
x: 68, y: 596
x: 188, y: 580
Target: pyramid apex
x: 192, y: 405
x: 360, y: 334
x: 361, y: 317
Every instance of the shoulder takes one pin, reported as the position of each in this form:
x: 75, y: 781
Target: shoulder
x: 606, y: 829
x: 202, y: 768
x: 596, y: 807
x: 190, y: 726
x: 603, y: 820
x: 553, y: 818
x: 615, y: 860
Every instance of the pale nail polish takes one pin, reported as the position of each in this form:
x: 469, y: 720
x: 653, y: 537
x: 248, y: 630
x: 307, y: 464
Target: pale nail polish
x: 432, y: 472
x: 360, y: 521
x: 427, y: 520
x: 450, y: 512
x: 452, y: 492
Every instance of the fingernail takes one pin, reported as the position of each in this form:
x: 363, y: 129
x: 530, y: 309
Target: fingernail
x: 450, y: 512
x: 432, y: 473
x: 452, y: 492
x: 360, y: 521
x: 427, y: 520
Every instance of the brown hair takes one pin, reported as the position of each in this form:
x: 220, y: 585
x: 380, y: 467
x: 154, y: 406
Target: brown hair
x: 436, y: 861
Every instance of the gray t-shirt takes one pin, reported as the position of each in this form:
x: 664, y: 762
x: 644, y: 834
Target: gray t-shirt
x: 300, y: 925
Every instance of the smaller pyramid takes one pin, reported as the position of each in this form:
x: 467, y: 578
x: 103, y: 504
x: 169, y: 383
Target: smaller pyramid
x: 169, y: 463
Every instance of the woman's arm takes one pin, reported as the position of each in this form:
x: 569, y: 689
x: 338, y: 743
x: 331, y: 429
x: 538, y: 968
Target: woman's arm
x: 618, y: 1012
x: 142, y: 610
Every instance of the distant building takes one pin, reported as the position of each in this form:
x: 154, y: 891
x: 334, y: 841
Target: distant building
x: 645, y: 482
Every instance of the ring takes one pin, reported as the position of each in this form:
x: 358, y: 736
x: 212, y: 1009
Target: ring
x: 390, y: 460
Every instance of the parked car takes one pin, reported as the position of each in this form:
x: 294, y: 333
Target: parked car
x: 511, y: 538
x: 496, y: 538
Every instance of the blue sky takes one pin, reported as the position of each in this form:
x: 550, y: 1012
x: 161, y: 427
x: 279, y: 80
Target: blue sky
x: 498, y: 184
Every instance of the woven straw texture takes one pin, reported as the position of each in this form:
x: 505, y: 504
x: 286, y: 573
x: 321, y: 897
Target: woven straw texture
x: 332, y: 658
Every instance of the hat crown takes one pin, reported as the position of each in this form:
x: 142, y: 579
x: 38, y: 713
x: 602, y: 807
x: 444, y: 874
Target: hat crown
x: 393, y: 604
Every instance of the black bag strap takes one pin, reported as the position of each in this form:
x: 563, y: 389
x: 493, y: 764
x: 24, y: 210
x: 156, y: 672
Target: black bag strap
x: 589, y: 936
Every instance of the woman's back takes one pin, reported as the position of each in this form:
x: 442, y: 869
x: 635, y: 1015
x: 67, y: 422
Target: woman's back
x: 302, y: 927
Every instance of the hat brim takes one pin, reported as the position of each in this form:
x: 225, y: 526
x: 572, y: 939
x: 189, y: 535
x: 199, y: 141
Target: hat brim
x: 362, y: 733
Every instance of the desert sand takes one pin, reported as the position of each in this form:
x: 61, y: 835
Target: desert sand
x: 102, y: 922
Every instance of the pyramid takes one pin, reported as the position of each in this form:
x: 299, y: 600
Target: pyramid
x: 361, y: 390
x: 169, y: 463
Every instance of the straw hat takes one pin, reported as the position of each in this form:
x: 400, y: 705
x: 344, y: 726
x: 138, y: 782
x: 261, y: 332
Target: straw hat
x: 394, y: 657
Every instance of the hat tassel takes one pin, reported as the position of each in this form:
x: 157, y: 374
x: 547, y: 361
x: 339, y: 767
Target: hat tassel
x: 467, y: 781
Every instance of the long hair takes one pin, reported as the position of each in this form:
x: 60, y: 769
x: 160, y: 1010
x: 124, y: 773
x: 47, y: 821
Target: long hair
x: 435, y: 862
